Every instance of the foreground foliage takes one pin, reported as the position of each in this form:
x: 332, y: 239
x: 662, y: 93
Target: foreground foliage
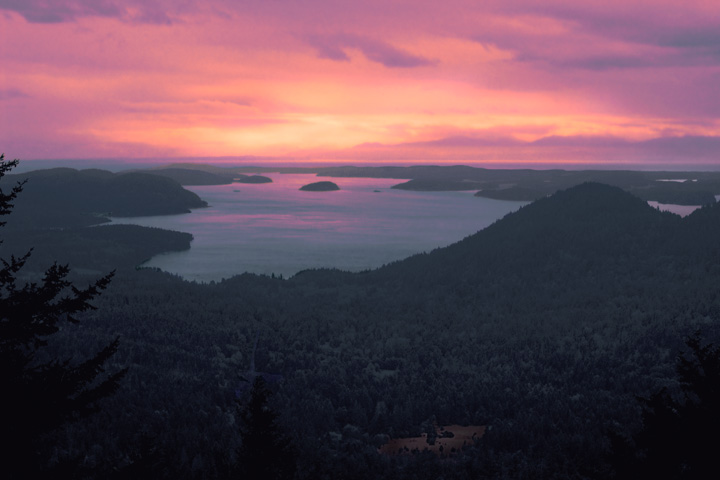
x: 545, y: 327
x: 678, y: 438
x: 42, y: 392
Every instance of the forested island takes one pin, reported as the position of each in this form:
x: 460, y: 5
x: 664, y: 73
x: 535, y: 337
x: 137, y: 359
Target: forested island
x: 254, y: 179
x: 682, y: 188
x: 320, y: 187
x: 544, y: 328
x: 191, y: 176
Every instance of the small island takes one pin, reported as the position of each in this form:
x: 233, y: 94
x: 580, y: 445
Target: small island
x: 254, y: 179
x: 320, y: 187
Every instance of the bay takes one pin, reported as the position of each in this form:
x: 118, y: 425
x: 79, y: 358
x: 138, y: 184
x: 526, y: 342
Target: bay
x: 275, y: 228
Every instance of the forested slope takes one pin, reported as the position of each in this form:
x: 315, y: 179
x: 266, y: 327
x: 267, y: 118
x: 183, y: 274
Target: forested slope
x: 62, y: 197
x: 544, y: 326
x: 59, y: 210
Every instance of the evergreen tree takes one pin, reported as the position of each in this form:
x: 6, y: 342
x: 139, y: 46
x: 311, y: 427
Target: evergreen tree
x: 679, y: 434
x: 265, y: 452
x: 41, y: 393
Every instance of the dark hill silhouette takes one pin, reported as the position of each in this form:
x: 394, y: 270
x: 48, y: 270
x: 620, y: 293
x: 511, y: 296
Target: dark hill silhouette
x: 62, y: 196
x: 255, y: 179
x: 437, y: 185
x: 544, y: 326
x: 323, y: 186
x: 528, y: 185
x: 188, y: 176
x: 566, y: 236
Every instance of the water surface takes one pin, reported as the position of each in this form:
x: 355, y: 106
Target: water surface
x: 276, y: 228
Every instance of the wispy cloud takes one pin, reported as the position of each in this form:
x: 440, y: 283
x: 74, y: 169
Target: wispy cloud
x: 58, y: 11
x: 10, y: 93
x: 456, y: 77
x: 334, y: 47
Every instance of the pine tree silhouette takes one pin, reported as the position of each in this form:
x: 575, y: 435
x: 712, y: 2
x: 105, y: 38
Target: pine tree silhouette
x: 679, y: 438
x: 266, y: 452
x: 39, y: 394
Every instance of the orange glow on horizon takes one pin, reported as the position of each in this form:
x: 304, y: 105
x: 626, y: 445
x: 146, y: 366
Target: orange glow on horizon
x: 375, y: 81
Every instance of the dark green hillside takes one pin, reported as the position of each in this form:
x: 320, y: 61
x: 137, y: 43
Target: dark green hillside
x: 255, y: 179
x: 64, y: 196
x: 544, y: 327
x: 698, y: 188
x: 592, y: 225
x: 98, y: 249
x: 320, y: 187
x: 57, y: 208
x: 139, y: 194
x: 528, y: 185
x: 437, y: 185
x: 701, y: 192
x: 187, y: 176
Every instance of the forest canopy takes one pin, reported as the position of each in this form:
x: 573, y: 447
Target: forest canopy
x: 543, y: 327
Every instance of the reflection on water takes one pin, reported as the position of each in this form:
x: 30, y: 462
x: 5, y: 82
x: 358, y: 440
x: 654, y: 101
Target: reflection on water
x: 682, y: 210
x: 276, y: 228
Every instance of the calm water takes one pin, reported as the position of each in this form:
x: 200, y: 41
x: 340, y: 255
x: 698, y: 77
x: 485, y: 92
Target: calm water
x: 275, y: 228
x: 682, y: 210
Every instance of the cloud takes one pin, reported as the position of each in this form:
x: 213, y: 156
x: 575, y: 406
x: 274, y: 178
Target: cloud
x: 595, y: 141
x: 623, y: 61
x: 692, y: 145
x: 573, y: 148
x: 328, y: 49
x: 684, y: 36
x: 461, y: 141
x: 10, y: 93
x: 59, y: 11
x: 333, y: 47
x: 607, y: 36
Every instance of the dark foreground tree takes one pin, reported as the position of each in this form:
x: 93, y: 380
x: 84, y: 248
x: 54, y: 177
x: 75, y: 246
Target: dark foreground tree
x: 679, y: 438
x: 40, y: 393
x: 265, y: 452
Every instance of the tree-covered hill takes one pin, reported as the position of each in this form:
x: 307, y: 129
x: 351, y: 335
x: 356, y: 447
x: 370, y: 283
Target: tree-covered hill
x: 62, y: 197
x: 683, y: 188
x: 543, y: 327
x: 188, y: 176
x: 590, y: 225
x: 59, y: 210
x: 96, y: 249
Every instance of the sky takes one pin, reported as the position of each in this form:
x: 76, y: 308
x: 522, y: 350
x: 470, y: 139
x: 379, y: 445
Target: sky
x: 457, y: 81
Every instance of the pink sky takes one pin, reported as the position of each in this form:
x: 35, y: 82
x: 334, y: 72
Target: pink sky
x: 458, y: 81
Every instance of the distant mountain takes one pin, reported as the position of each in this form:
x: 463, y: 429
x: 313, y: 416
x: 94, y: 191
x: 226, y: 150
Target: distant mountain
x: 528, y: 185
x: 189, y: 176
x: 425, y: 185
x: 61, y: 197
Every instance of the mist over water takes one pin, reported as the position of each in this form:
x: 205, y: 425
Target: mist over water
x: 275, y: 228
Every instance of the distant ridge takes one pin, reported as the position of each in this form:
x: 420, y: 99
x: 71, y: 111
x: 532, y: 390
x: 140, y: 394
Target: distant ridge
x: 190, y: 176
x: 588, y: 225
x: 687, y: 188
x: 61, y: 195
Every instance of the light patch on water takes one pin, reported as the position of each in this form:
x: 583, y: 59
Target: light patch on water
x: 276, y: 228
x: 682, y: 210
